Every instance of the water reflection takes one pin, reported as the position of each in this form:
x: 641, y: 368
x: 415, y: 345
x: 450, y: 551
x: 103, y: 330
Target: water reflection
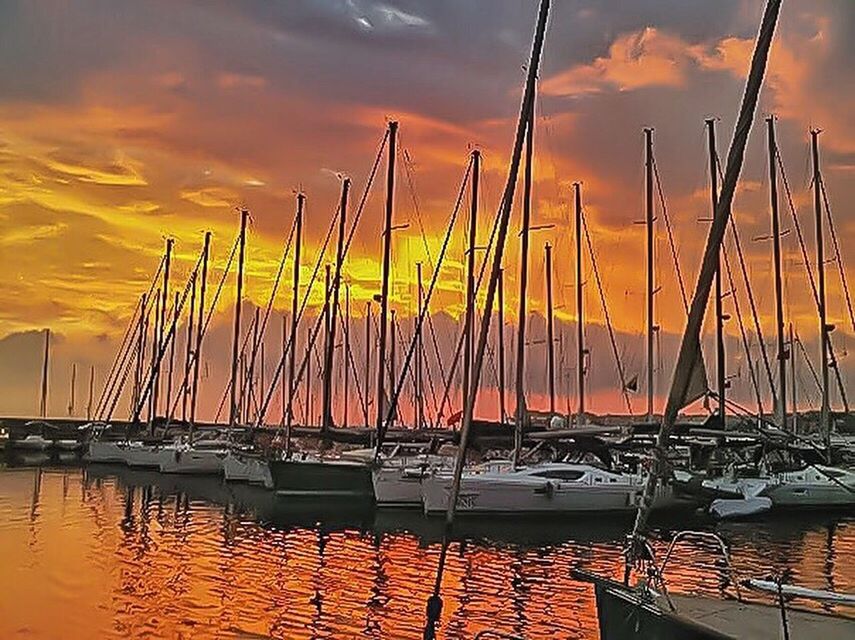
x: 110, y: 551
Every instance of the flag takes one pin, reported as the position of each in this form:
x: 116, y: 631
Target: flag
x: 632, y: 384
x: 454, y: 418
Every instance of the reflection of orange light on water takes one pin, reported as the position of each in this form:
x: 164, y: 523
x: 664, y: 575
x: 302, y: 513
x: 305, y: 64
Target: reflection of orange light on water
x: 86, y: 556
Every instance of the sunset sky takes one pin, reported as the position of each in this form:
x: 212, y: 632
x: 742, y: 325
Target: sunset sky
x: 123, y: 123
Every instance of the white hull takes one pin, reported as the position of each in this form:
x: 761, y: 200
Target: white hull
x: 538, y: 490
x: 31, y: 443
x: 814, y: 488
x: 246, y: 468
x: 193, y: 461
x: 398, y: 481
x: 137, y: 454
x: 393, y: 488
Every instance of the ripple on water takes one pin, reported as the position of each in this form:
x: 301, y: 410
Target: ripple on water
x: 117, y: 552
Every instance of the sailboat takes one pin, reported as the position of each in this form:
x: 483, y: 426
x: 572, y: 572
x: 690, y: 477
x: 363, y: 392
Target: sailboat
x: 551, y: 487
x: 333, y: 473
x: 647, y: 609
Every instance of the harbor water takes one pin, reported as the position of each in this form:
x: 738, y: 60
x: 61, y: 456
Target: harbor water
x: 106, y: 551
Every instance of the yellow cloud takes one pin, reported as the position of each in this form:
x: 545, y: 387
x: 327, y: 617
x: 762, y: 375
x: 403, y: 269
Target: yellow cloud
x: 120, y: 173
x: 210, y: 196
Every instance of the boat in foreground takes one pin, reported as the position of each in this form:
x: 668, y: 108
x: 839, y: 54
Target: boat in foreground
x: 626, y: 613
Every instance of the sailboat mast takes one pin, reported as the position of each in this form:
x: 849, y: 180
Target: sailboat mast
x: 326, y: 372
x: 307, y: 413
x: 420, y: 407
x: 689, y: 359
x: 45, y: 368
x: 781, y: 405
x: 367, y: 359
x: 793, y: 362
x: 91, y: 392
x: 346, y: 357
x: 161, y: 325
x: 172, y: 354
x: 155, y: 342
x: 250, y: 372
x: 188, y: 347
x: 200, y: 331
x: 721, y: 372
x: 550, y: 338
x: 384, y: 286
x: 233, y: 410
x: 580, y: 311
x: 469, y: 320
x: 327, y: 421
x: 295, y: 294
x: 140, y: 351
x: 521, y: 410
x: 71, y: 389
x: 501, y: 347
x: 824, y: 422
x: 648, y: 191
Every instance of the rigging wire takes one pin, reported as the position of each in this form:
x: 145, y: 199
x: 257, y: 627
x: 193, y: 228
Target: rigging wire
x: 204, y: 328
x: 745, y: 343
x: 319, y: 320
x: 434, y: 277
x: 674, y: 254
x: 596, y: 270
x: 259, y: 334
x: 751, y: 302
x: 110, y: 383
x: 838, y: 257
x: 811, y: 279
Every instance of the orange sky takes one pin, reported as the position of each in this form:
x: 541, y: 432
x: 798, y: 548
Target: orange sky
x: 123, y: 124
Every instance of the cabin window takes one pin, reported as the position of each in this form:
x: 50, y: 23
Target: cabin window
x: 598, y: 479
x: 560, y: 474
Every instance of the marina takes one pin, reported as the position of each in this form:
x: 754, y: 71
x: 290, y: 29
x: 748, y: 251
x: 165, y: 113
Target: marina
x: 110, y: 549
x: 336, y: 434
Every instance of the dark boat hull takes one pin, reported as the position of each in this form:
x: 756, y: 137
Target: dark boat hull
x: 302, y: 478
x: 622, y: 616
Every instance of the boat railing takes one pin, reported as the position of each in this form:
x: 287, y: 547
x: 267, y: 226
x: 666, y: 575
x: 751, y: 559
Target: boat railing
x: 717, y: 541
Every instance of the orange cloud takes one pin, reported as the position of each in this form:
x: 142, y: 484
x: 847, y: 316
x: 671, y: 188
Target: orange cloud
x: 646, y: 58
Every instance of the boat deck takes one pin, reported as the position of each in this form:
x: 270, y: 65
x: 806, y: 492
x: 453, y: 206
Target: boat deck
x: 759, y: 621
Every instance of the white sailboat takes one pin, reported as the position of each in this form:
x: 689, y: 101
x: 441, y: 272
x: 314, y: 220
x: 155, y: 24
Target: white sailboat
x: 554, y: 487
x: 815, y: 486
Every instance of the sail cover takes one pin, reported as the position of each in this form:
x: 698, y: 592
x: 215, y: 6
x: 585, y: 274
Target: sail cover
x: 698, y: 386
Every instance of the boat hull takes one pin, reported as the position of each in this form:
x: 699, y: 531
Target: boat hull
x: 106, y: 452
x: 622, y: 615
x: 193, y: 461
x: 338, y: 478
x: 395, y: 488
x: 143, y: 456
x: 485, y: 496
x: 30, y: 443
x: 244, y: 468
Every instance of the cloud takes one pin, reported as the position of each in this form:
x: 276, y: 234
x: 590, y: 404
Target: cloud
x: 647, y: 58
x: 210, y: 196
